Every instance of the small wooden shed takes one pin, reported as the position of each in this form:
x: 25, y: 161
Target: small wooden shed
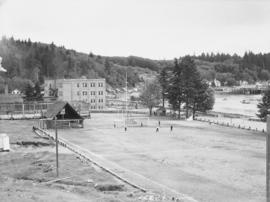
x: 63, y: 115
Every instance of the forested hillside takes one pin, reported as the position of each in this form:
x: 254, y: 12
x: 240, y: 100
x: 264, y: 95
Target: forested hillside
x: 32, y: 62
x: 231, y: 69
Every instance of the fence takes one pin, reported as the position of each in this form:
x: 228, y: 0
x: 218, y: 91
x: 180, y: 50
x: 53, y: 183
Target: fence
x: 23, y: 108
x: 65, y: 123
x: 246, y: 126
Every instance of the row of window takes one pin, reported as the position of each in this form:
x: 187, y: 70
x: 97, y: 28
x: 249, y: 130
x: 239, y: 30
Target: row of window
x: 90, y: 93
x: 91, y: 85
x: 99, y: 100
x: 60, y: 93
x: 94, y: 107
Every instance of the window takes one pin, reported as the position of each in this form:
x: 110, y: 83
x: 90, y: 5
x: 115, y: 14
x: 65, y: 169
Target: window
x: 92, y: 100
x: 92, y: 84
x: 84, y: 92
x: 100, y: 84
x: 93, y: 93
x: 60, y: 93
x: 78, y: 85
x: 100, y: 100
x: 84, y: 84
x: 100, y: 92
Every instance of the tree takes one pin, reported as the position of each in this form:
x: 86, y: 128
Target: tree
x: 107, y: 66
x: 151, y: 96
x: 204, y: 99
x: 29, y: 92
x: 191, y: 82
x: 264, y: 106
x: 264, y: 75
x: 163, y: 80
x: 176, y: 88
x: 186, y: 86
x: 37, y: 91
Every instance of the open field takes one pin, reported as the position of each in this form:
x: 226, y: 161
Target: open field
x: 206, y: 162
x: 27, y: 173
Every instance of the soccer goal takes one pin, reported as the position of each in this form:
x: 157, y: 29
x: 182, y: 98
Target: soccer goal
x: 131, y: 122
x: 137, y: 121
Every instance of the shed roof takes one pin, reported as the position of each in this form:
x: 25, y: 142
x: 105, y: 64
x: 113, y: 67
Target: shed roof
x: 55, y: 109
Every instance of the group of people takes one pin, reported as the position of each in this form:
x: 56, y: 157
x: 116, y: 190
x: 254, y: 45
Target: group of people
x: 157, y: 129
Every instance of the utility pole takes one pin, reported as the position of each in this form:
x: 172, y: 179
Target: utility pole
x: 268, y: 160
x: 126, y: 102
x: 56, y: 148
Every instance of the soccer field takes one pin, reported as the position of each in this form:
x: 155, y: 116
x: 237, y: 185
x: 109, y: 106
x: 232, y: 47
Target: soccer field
x: 206, y: 162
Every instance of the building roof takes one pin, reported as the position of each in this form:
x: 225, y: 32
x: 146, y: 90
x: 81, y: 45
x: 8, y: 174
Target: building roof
x: 54, y: 110
x: 75, y: 80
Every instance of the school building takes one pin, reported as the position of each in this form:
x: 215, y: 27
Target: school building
x: 91, y: 91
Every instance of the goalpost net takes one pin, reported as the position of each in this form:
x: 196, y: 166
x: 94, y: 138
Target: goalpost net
x: 131, y: 121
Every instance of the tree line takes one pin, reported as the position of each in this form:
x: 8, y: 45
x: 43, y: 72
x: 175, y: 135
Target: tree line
x: 28, y: 63
x: 182, y: 86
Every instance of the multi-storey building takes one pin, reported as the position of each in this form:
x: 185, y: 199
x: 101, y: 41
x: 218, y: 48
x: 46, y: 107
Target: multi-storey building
x: 92, y: 91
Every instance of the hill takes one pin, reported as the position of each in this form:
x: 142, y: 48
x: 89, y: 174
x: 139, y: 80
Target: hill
x: 32, y: 62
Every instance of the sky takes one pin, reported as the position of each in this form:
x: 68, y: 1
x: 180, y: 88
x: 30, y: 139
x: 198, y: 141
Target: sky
x: 157, y: 29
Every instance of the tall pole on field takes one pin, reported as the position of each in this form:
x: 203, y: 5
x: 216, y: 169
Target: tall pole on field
x: 126, y: 101
x: 268, y: 159
x: 56, y: 148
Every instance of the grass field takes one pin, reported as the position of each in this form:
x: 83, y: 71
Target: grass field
x: 206, y: 162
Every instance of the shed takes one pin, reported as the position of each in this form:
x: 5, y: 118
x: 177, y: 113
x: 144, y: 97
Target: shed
x: 63, y: 114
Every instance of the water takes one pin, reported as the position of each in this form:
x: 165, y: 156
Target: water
x: 233, y: 104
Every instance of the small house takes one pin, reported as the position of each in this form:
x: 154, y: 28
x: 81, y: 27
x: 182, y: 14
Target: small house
x: 16, y: 92
x: 62, y: 115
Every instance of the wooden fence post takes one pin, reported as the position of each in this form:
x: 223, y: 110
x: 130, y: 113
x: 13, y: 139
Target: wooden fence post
x: 268, y: 160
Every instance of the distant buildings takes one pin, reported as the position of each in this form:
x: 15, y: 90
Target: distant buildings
x: 16, y: 92
x: 243, y: 83
x: 216, y: 83
x: 92, y: 91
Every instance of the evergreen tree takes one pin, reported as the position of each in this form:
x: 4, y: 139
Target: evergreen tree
x: 107, y: 66
x: 264, y: 106
x: 176, y: 88
x: 37, y: 92
x: 204, y: 98
x: 163, y: 80
x: 191, y: 82
x: 29, y: 92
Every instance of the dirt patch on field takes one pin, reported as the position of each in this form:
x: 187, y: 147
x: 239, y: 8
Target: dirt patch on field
x: 28, y: 172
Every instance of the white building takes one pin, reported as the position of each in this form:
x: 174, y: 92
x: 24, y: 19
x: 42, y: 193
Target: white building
x: 16, y: 92
x: 92, y: 91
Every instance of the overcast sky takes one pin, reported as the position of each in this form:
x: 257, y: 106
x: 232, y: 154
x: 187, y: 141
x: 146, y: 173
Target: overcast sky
x: 149, y: 28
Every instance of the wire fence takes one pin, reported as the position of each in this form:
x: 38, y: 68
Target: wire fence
x: 235, y: 123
